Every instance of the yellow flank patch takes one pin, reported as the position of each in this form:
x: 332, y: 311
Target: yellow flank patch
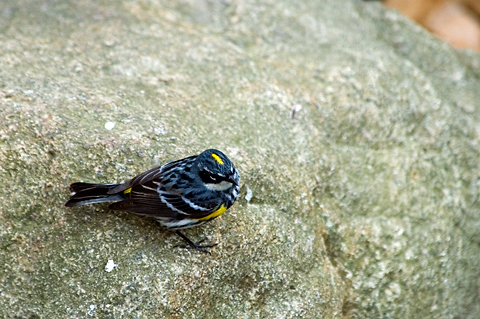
x: 217, y: 158
x: 127, y: 190
x: 216, y: 213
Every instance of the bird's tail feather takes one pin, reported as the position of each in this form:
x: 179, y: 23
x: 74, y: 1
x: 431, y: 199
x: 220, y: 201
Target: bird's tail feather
x: 86, y: 193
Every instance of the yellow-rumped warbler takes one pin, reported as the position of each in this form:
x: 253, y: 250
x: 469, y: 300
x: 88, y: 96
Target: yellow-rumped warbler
x: 181, y: 194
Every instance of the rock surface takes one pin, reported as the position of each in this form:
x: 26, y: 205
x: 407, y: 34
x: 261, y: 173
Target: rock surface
x: 355, y: 130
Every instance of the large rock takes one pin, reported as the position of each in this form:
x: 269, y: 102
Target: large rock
x: 356, y: 131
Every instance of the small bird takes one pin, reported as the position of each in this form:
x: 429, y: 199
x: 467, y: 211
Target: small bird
x: 181, y: 194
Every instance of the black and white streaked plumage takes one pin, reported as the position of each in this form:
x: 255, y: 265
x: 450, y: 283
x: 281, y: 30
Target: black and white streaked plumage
x: 181, y: 194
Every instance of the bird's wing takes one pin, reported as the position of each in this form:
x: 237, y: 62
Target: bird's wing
x: 155, y: 173
x: 145, y: 194
x: 150, y: 199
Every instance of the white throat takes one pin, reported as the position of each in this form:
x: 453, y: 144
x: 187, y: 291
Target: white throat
x: 222, y: 186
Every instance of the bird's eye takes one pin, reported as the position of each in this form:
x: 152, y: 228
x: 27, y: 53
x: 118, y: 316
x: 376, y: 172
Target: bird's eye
x: 208, y: 177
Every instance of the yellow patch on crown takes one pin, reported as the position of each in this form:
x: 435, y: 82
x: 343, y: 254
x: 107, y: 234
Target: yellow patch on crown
x: 216, y: 213
x: 217, y: 158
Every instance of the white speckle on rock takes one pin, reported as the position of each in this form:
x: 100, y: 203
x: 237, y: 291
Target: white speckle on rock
x: 294, y: 110
x: 109, y: 125
x: 91, y: 311
x: 110, y: 265
x: 249, y: 195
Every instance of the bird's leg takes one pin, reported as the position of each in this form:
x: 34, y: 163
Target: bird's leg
x: 196, y: 246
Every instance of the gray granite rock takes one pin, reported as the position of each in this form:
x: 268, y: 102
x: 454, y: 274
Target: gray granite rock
x: 355, y: 130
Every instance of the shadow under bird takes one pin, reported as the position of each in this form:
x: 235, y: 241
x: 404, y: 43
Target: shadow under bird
x: 181, y: 194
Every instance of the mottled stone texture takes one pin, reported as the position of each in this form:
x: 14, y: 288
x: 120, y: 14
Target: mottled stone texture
x: 356, y: 130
